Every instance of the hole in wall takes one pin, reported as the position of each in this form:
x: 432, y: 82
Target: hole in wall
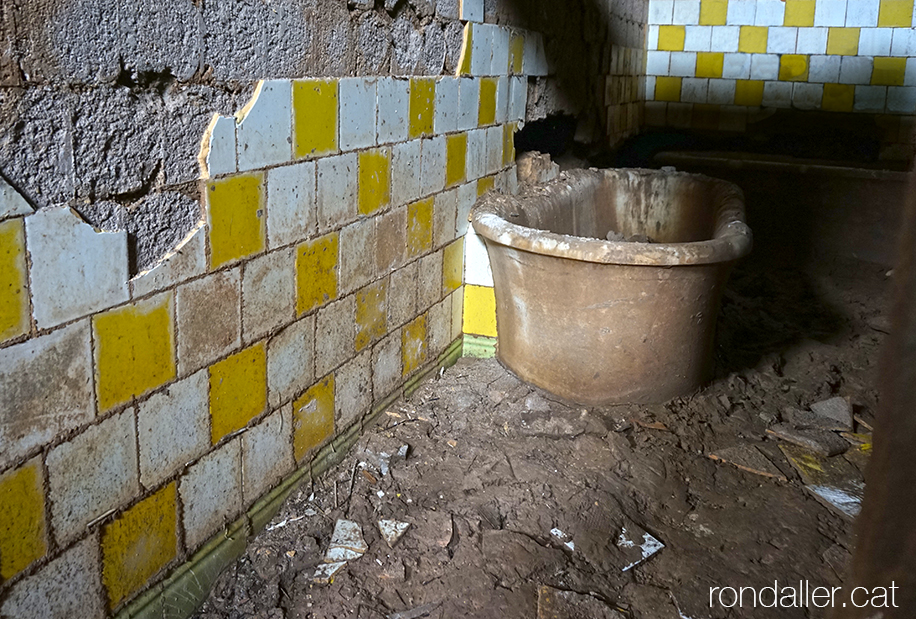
x: 553, y: 135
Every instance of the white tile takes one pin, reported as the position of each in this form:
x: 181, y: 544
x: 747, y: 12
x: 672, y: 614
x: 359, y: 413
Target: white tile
x: 290, y: 203
x: 721, y: 92
x: 535, y: 58
x: 290, y: 361
x: 75, y: 270
x: 469, y: 103
x: 830, y: 13
x: 477, y: 270
x: 502, y: 100
x: 358, y: 100
x: 781, y: 40
x: 657, y: 63
x: 697, y: 38
x: 693, y: 90
x: 499, y: 63
x: 12, y: 203
x: 736, y: 66
x: 337, y: 186
x: 650, y: 88
x: 741, y: 12
x: 467, y: 195
x: 862, y: 13
x: 661, y: 11
x: 405, y: 168
x: 393, y: 108
x: 764, y: 66
x: 686, y: 12
x: 446, y: 113
x: 268, y: 293
x: 855, y: 70
x: 807, y: 96
x: 221, y: 150
x: 910, y: 76
x: 471, y: 10
x: 903, y: 42
x: 812, y: 41
x: 824, y: 69
x: 518, y: 98
x: 770, y: 13
x: 875, y: 41
x: 683, y: 64
x: 481, y: 49
x: 870, y: 98
x: 494, y: 149
x: 432, y: 175
x: 186, y: 261
x: 265, y: 131
x: 477, y: 154
x: 901, y: 99
x: 725, y: 38
x: 777, y: 94
x: 652, y: 42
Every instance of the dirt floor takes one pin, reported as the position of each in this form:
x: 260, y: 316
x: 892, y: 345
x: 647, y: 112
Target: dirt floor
x: 508, y: 490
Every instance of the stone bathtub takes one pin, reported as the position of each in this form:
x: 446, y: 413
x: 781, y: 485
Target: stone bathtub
x: 602, y: 322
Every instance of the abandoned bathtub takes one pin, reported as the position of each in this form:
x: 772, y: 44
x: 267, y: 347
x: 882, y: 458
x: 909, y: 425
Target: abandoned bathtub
x: 603, y: 322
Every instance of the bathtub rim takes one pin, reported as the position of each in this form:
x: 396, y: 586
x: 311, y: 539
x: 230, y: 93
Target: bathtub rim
x: 731, y: 240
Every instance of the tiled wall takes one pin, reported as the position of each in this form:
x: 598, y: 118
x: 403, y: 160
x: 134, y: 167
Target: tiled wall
x: 709, y: 61
x: 139, y: 417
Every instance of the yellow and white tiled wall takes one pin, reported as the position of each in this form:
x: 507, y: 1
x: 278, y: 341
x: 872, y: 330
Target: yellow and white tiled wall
x: 141, y: 416
x: 720, y: 57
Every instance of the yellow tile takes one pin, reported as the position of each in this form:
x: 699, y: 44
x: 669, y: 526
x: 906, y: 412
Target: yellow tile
x: 799, y: 13
x: 843, y: 41
x: 749, y: 92
x: 712, y: 12
x: 314, y: 117
x: 516, y: 54
x: 22, y: 519
x: 667, y: 89
x: 374, y: 180
x: 509, y: 130
x: 464, y: 60
x: 14, y: 293
x: 479, y: 311
x: 238, y: 391
x: 709, y: 64
x: 486, y: 114
x: 313, y: 417
x: 138, y: 544
x: 371, y: 312
x: 671, y: 38
x: 452, y: 266
x: 134, y: 350
x: 895, y: 14
x: 888, y: 71
x: 422, y: 106
x: 485, y: 184
x: 236, y: 212
x: 413, y: 344
x: 838, y: 97
x: 753, y: 39
x: 419, y: 227
x: 316, y: 272
x: 456, y: 157
x: 793, y: 68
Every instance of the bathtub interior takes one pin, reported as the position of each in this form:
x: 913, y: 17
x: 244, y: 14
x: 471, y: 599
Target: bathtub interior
x: 666, y: 207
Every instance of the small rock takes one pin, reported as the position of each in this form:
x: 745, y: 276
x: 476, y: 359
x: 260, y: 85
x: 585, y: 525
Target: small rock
x: 838, y: 409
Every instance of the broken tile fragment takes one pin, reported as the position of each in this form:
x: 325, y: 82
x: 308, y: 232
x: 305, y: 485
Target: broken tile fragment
x: 748, y: 458
x: 560, y: 604
x: 326, y: 572
x: 348, y: 534
x: 638, y: 544
x: 834, y: 482
x: 392, y: 531
x: 837, y: 409
x: 822, y: 442
x: 563, y: 538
